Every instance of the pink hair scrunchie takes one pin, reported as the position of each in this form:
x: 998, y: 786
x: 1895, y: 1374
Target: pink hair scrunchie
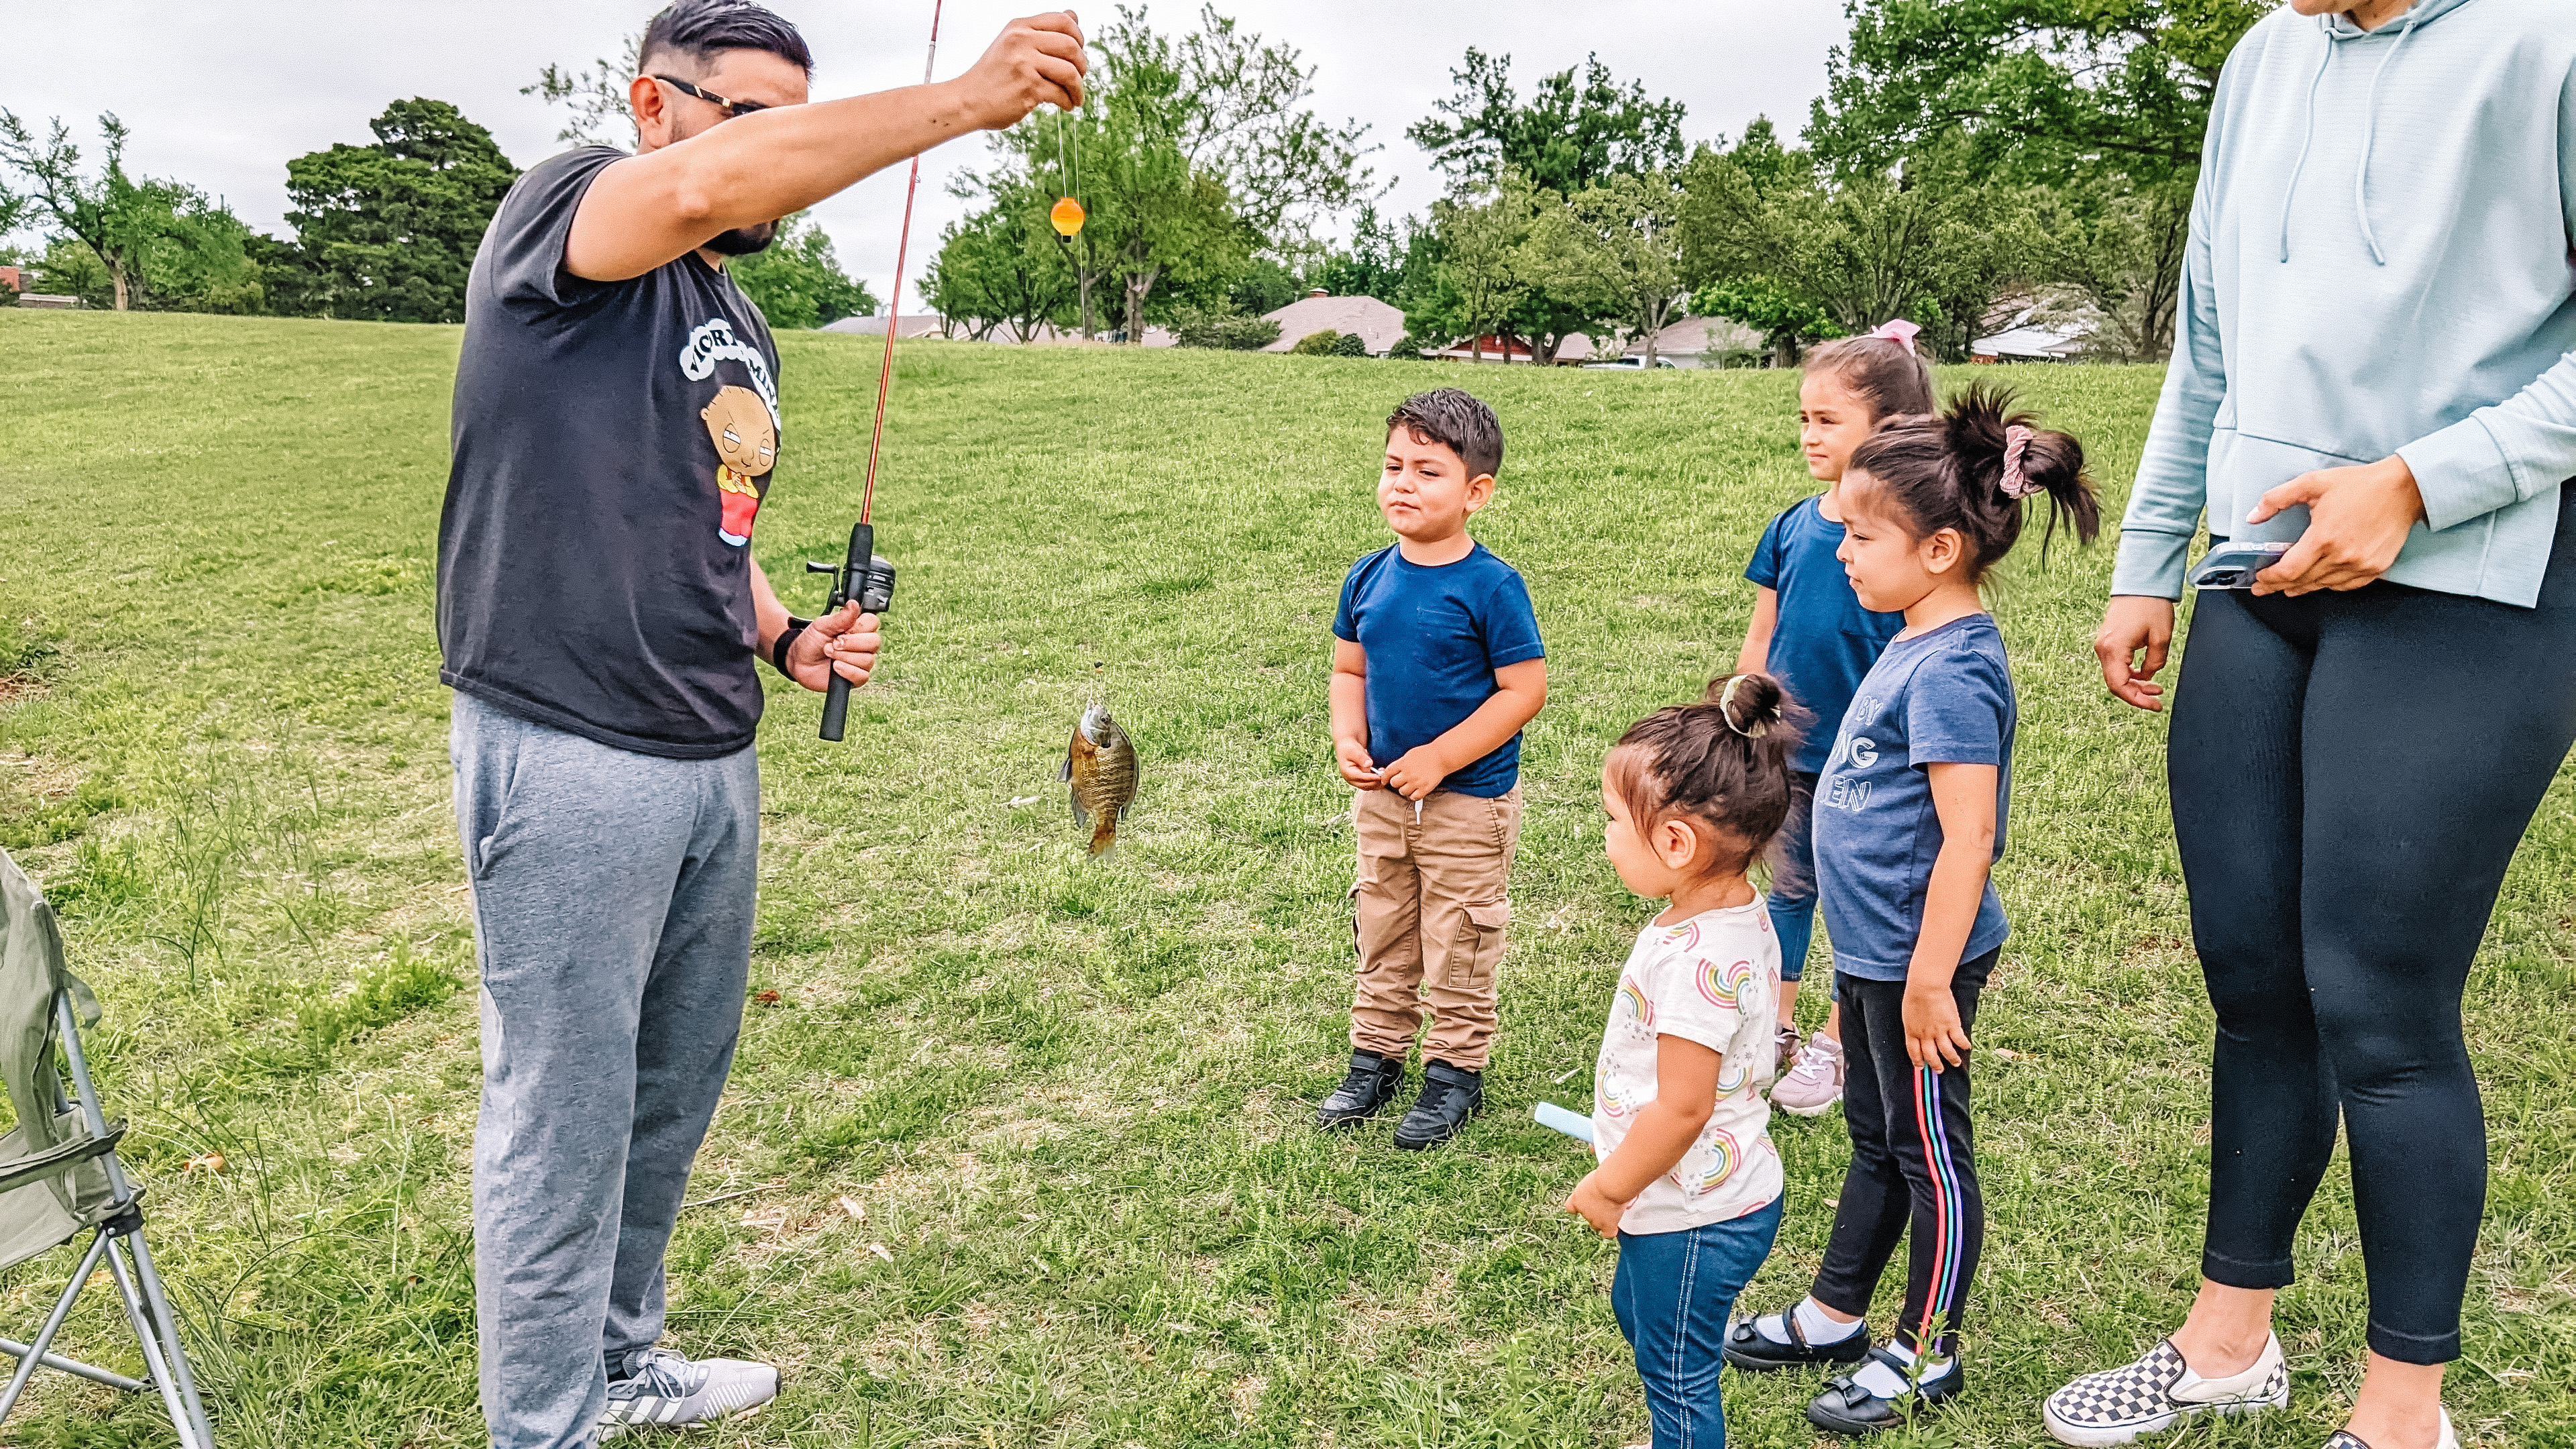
x: 1900, y: 332
x: 2017, y: 484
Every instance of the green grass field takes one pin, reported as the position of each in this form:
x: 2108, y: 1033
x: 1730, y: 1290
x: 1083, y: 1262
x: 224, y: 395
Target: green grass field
x: 1072, y: 1098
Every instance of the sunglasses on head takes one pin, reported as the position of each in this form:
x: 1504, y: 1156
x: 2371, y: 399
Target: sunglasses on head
x: 730, y: 108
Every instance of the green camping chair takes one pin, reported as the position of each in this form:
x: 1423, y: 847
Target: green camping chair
x: 59, y: 1177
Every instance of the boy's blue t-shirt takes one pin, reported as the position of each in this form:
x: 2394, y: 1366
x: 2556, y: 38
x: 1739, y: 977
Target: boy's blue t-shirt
x: 1945, y: 697
x: 1434, y: 637
x: 1824, y: 641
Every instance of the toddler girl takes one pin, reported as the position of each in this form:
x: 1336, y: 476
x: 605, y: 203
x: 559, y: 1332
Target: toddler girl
x: 1909, y: 819
x: 1687, y: 1179
x: 1810, y: 632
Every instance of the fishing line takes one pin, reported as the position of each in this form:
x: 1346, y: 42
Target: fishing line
x: 894, y: 306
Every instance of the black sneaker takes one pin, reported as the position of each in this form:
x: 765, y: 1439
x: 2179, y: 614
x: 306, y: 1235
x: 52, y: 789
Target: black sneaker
x: 1847, y: 1407
x: 1756, y: 1352
x: 1370, y: 1085
x: 1450, y: 1095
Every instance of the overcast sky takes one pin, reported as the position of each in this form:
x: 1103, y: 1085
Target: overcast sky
x: 220, y: 95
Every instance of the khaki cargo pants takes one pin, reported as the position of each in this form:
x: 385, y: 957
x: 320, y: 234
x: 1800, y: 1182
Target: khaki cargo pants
x: 1430, y: 915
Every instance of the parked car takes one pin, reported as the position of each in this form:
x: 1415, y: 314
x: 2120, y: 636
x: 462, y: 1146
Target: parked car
x: 1633, y: 362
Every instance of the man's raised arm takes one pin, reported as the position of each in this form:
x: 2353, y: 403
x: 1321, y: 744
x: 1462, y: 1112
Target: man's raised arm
x: 691, y: 185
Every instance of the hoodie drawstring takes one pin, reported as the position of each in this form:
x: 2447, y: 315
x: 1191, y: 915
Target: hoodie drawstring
x: 2289, y: 193
x: 2369, y: 133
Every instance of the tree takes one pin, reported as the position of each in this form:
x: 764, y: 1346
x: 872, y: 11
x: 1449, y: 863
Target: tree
x: 1569, y: 136
x: 797, y: 282
x: 388, y: 232
x: 1001, y: 266
x: 1614, y: 249
x: 1480, y: 265
x: 1786, y: 320
x: 155, y: 242
x: 594, y: 97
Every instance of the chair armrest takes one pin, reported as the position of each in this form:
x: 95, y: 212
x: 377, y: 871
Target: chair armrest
x: 17, y: 1172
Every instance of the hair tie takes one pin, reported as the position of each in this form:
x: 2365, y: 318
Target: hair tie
x: 2017, y: 484
x: 1898, y: 331
x: 1726, y: 711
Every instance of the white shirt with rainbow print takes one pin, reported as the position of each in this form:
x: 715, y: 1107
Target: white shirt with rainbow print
x: 1712, y: 979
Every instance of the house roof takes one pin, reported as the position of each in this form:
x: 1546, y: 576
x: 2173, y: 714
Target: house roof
x: 1377, y: 323
x: 1688, y: 337
x: 2049, y: 342
x: 915, y: 324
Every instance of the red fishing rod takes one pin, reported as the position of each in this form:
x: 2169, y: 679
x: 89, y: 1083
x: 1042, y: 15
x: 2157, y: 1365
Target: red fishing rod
x: 863, y: 573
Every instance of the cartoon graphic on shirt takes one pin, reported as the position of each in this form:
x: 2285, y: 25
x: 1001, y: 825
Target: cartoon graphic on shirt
x: 1724, y: 985
x: 746, y: 448
x: 1723, y: 1155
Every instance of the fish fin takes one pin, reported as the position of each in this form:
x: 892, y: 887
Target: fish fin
x: 1123, y: 809
x: 1080, y: 815
x: 1065, y: 770
x: 1105, y: 838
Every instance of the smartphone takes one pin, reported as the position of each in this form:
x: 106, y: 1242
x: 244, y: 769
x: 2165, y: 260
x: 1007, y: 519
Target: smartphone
x: 2234, y: 565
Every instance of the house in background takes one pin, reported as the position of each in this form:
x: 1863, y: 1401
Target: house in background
x: 12, y: 279
x: 2025, y: 337
x: 1379, y: 324
x: 1690, y: 342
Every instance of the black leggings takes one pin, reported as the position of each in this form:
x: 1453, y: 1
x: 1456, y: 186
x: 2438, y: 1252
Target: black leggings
x: 2351, y: 773
x: 1913, y: 1164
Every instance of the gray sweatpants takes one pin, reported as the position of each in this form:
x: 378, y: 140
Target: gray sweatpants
x: 612, y: 911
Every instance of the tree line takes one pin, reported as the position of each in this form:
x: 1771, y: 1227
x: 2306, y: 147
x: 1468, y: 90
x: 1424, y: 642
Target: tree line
x: 384, y: 231
x: 1967, y: 162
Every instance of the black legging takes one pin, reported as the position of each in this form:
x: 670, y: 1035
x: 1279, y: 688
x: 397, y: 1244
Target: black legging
x: 2351, y: 773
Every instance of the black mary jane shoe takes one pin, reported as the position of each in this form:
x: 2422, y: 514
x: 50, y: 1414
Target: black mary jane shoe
x: 1370, y: 1085
x: 1450, y: 1095
x: 1848, y: 1409
x: 1756, y: 1352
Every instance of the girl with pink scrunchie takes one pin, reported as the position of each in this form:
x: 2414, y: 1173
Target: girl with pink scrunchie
x: 1909, y: 820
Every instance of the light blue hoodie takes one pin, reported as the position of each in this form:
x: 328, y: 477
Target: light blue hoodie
x: 2382, y: 261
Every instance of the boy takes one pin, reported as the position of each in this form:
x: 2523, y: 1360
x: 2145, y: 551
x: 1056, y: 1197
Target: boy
x: 1436, y: 667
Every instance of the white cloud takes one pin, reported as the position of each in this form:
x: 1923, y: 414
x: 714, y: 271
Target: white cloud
x: 222, y: 95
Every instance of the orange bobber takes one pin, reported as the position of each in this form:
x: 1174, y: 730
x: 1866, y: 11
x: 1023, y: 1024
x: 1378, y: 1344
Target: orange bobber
x: 1066, y: 217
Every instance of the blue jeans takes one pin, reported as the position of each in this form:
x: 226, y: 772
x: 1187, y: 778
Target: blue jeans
x: 1792, y: 901
x: 1673, y: 1294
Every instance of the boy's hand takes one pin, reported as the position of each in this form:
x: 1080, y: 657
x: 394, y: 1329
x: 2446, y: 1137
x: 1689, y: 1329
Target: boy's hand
x: 1594, y: 1206
x: 1357, y: 767
x: 1416, y: 775
x: 1933, y: 1035
x: 843, y: 642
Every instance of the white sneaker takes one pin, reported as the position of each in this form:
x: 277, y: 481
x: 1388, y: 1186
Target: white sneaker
x: 1815, y: 1082
x: 2159, y: 1391
x: 2346, y: 1439
x: 670, y: 1391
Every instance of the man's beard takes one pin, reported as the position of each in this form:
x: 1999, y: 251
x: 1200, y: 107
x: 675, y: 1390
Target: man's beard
x: 742, y: 241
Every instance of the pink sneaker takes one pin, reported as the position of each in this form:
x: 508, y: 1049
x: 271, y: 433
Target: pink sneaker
x: 1815, y: 1082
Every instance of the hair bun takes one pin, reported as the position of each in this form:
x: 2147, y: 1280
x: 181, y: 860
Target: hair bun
x: 1751, y: 703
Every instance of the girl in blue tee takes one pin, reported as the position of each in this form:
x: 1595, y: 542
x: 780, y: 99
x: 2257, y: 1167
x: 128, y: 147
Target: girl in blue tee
x: 1810, y: 632
x: 1909, y: 820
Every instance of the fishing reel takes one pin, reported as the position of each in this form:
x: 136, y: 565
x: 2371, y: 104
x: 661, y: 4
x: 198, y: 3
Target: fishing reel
x: 868, y: 577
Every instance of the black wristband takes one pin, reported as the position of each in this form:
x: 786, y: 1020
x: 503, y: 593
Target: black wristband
x: 786, y: 637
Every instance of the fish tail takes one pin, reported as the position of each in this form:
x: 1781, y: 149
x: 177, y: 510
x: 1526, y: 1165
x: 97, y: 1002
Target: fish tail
x: 1104, y: 837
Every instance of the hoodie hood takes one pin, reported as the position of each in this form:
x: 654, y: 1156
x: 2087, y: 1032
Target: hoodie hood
x: 2342, y: 34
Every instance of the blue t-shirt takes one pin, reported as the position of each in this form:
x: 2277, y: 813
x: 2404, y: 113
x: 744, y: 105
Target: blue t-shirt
x: 1941, y: 698
x: 1825, y: 641
x: 1434, y: 637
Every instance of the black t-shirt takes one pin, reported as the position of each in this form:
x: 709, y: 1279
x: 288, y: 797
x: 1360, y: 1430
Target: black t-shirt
x: 612, y: 442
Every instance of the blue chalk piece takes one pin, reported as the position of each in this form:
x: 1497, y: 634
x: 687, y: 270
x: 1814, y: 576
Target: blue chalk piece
x: 1572, y: 1124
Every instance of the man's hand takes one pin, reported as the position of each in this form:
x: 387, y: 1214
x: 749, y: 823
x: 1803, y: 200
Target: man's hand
x: 1356, y: 765
x: 2358, y: 518
x: 1933, y: 1035
x: 1417, y: 774
x: 1037, y: 61
x: 2134, y: 623
x: 1594, y: 1206
x: 844, y: 640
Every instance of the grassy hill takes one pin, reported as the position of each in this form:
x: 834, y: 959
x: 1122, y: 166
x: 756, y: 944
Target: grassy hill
x: 1071, y: 1098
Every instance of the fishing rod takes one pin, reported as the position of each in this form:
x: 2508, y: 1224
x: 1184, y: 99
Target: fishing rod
x: 864, y: 573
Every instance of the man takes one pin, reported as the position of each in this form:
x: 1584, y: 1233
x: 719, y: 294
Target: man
x: 615, y: 428
x: 2376, y: 358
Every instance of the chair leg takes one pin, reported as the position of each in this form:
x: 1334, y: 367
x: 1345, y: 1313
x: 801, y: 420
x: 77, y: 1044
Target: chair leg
x: 158, y: 1301
x: 76, y: 1368
x: 53, y: 1325
x: 148, y: 1335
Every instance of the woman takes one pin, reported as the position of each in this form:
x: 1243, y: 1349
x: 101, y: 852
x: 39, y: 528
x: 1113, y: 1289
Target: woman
x: 2379, y: 269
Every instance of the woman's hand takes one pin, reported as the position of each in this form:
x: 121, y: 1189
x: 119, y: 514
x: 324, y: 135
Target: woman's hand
x: 2135, y: 623
x: 843, y: 641
x: 1933, y: 1036
x: 1594, y: 1206
x: 2358, y: 518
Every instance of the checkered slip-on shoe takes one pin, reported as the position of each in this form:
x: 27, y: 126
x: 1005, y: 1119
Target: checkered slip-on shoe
x: 2159, y: 1391
x: 2346, y: 1439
